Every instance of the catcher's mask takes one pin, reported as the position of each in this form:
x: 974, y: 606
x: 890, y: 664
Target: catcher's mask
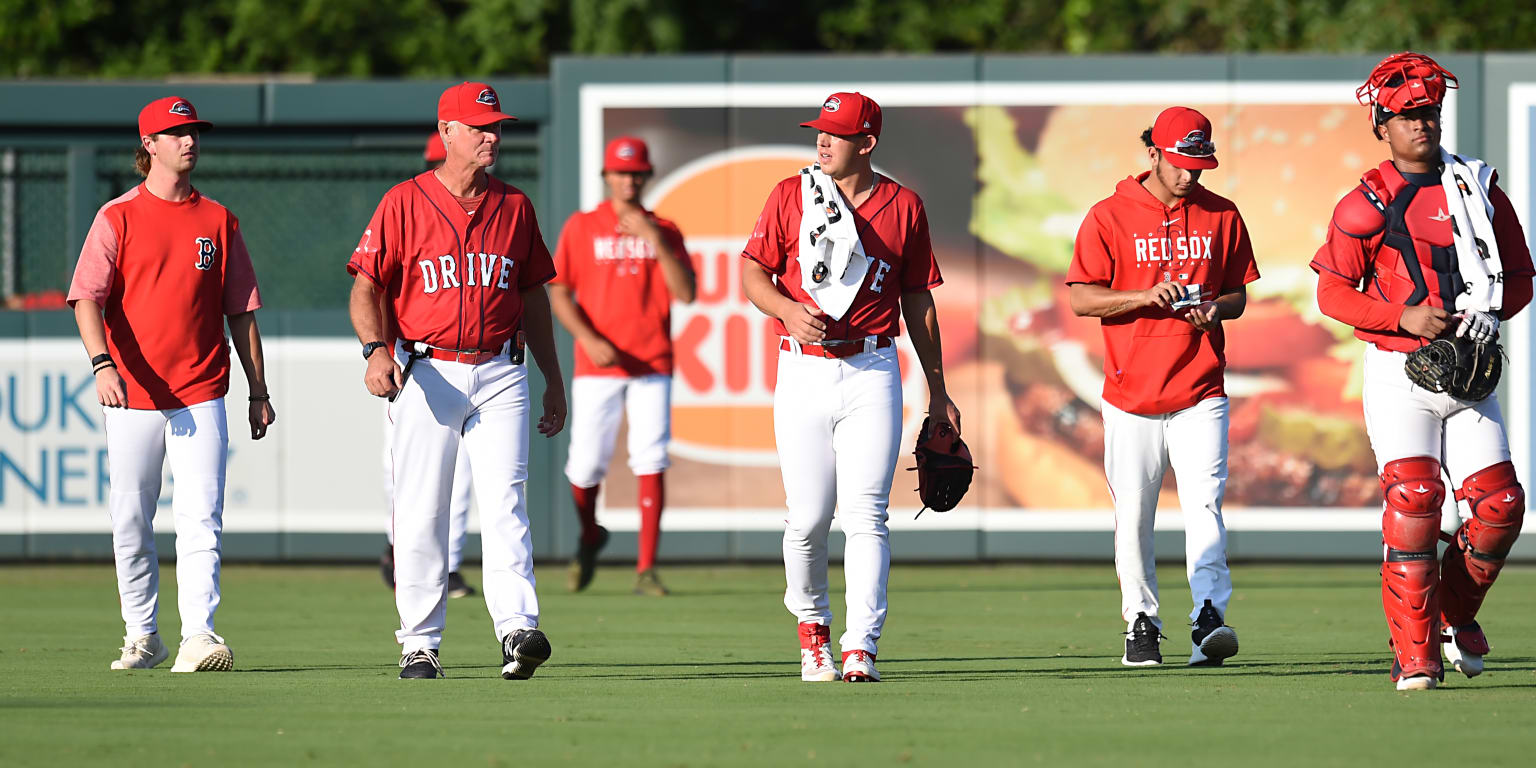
x: 1401, y: 82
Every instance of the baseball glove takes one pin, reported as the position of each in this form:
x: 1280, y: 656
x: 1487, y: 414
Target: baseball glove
x: 1458, y: 367
x: 943, y: 468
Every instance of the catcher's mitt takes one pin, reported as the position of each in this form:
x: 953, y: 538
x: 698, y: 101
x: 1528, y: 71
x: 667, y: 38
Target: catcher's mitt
x: 1460, y: 368
x: 943, y: 467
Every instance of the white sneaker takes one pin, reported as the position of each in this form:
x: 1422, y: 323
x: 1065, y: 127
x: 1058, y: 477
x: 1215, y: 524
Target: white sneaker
x: 205, y: 652
x: 1417, y: 683
x: 1464, y: 661
x: 816, y: 655
x: 859, y: 667
x: 143, y: 652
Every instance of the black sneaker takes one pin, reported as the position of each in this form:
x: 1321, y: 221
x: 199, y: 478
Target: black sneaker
x: 1212, y: 640
x: 522, y: 652
x: 584, y: 565
x: 1141, y: 646
x: 457, y: 587
x: 387, y: 566
x: 421, y: 665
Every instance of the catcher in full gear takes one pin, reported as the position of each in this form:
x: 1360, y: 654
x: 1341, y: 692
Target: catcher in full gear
x: 1425, y: 258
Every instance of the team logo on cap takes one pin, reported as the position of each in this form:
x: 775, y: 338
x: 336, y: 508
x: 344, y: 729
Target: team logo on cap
x: 181, y: 108
x: 626, y: 151
x: 832, y: 105
x: 205, y: 252
x: 487, y: 97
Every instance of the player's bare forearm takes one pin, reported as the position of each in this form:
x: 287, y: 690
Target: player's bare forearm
x: 679, y: 278
x: 1232, y: 304
x: 539, y: 334
x: 757, y: 284
x: 365, y: 306
x: 922, y: 319
x: 93, y: 330
x: 1090, y: 300
x: 563, y: 305
x: 245, y: 334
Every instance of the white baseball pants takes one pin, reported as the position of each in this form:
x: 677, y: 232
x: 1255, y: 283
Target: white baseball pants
x: 458, y: 505
x: 1405, y: 420
x: 195, y: 440
x: 485, y: 408
x: 1137, y: 449
x: 597, y: 404
x: 836, y: 423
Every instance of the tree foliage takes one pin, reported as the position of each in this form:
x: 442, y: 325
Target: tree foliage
x: 337, y: 38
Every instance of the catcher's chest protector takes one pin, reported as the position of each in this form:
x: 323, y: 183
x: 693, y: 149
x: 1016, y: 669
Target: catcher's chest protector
x: 1418, y: 261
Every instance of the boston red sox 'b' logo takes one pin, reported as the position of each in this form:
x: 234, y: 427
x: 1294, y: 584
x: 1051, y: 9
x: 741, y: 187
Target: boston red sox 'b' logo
x: 205, y: 252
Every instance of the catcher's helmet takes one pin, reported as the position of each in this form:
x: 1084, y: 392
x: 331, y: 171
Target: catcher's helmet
x: 1404, y: 81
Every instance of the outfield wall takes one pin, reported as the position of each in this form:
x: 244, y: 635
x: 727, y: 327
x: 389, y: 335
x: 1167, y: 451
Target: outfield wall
x: 1007, y: 152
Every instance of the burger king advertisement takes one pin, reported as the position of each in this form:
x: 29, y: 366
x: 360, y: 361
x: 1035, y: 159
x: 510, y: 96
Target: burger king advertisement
x: 1007, y: 173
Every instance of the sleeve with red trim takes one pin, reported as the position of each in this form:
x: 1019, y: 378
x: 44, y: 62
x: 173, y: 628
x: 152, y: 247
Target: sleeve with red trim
x: 565, y: 273
x: 919, y: 269
x: 240, y: 291
x: 375, y: 255
x: 540, y: 268
x: 97, y: 267
x: 767, y: 245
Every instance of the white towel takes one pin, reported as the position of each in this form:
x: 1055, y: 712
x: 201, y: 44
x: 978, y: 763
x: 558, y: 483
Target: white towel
x: 829, y: 249
x: 1466, y: 182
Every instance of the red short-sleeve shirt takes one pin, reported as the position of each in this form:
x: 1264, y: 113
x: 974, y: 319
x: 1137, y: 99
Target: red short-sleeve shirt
x: 165, y: 275
x: 454, y: 278
x: 1155, y: 361
x: 893, y: 228
x: 619, y: 285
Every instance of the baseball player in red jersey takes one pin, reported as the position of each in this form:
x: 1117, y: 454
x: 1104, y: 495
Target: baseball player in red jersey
x: 456, y: 254
x: 619, y: 269
x: 1429, y: 246
x: 161, y: 269
x: 838, y: 255
x: 1163, y: 262
x: 458, y: 501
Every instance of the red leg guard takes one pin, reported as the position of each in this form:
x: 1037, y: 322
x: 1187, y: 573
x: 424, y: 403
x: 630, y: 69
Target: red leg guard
x: 1410, y: 526
x: 1478, y: 549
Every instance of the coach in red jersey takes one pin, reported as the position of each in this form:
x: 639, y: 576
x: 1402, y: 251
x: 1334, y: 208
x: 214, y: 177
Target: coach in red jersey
x: 456, y: 254
x: 839, y: 255
x: 161, y: 269
x: 619, y: 268
x: 1428, y: 246
x: 1163, y: 263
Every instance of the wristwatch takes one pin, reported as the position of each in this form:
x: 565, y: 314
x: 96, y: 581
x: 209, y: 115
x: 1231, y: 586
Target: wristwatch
x: 370, y: 347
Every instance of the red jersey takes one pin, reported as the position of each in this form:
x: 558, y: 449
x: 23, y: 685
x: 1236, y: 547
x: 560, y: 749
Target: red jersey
x: 166, y: 274
x: 893, y: 227
x: 453, y: 278
x: 620, y: 288
x: 1155, y: 361
x: 1378, y: 261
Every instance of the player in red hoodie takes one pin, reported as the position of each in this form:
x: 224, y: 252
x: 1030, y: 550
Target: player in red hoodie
x: 1162, y: 263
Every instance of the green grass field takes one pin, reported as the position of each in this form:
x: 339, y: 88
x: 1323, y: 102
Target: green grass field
x: 1006, y: 665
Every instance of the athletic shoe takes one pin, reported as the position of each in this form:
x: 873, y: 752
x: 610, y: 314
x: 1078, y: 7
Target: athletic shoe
x: 1212, y: 640
x: 387, y: 566
x: 1414, y: 682
x: 457, y: 587
x: 1464, y: 648
x: 522, y: 652
x: 143, y: 652
x: 816, y: 655
x: 584, y: 564
x: 859, y: 667
x: 1141, y: 644
x: 421, y: 665
x: 205, y: 652
x: 646, y: 583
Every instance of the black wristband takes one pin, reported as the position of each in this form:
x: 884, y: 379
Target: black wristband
x: 104, y: 366
x: 105, y: 357
x: 260, y: 398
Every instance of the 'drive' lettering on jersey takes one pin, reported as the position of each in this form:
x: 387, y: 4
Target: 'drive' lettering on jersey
x: 1171, y: 249
x: 479, y: 271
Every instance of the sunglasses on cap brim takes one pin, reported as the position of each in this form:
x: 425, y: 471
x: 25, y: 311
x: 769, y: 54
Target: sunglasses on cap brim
x: 1189, y: 148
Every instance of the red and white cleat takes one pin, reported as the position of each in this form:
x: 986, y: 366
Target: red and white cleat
x: 816, y: 654
x: 859, y: 667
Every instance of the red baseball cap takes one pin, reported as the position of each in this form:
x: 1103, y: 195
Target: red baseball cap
x: 435, y: 151
x: 627, y: 154
x: 1184, y: 136
x: 161, y: 115
x: 847, y: 114
x: 473, y: 104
